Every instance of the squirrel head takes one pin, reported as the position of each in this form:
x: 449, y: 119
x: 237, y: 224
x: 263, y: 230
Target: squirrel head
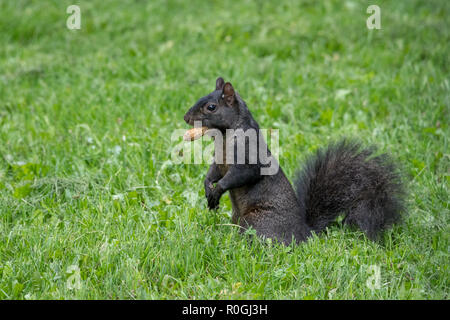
x: 217, y: 110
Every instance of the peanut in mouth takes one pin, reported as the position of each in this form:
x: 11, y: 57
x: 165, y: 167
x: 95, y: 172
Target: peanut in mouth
x: 194, y: 133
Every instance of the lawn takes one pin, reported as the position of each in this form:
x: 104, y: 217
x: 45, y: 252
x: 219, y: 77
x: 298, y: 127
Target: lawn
x: 92, y: 205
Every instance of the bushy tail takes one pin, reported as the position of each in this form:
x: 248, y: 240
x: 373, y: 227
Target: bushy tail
x: 347, y: 179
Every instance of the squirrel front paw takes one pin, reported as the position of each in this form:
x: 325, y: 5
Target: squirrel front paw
x: 213, y: 195
x: 208, y: 188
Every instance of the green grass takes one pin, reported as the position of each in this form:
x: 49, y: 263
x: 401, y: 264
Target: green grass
x: 85, y: 123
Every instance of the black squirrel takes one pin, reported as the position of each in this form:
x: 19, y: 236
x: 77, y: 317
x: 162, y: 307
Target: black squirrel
x: 343, y: 178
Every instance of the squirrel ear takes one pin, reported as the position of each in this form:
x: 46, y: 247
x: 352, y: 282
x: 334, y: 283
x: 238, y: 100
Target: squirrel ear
x: 219, y: 83
x: 228, y: 94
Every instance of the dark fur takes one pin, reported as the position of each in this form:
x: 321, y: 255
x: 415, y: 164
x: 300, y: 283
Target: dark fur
x: 343, y: 178
x: 346, y: 179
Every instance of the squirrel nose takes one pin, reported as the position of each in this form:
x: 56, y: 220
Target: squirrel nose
x: 186, y: 117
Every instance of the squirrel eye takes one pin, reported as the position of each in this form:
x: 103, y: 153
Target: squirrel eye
x: 211, y: 107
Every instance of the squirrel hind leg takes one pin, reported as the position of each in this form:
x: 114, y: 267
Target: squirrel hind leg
x: 283, y: 228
